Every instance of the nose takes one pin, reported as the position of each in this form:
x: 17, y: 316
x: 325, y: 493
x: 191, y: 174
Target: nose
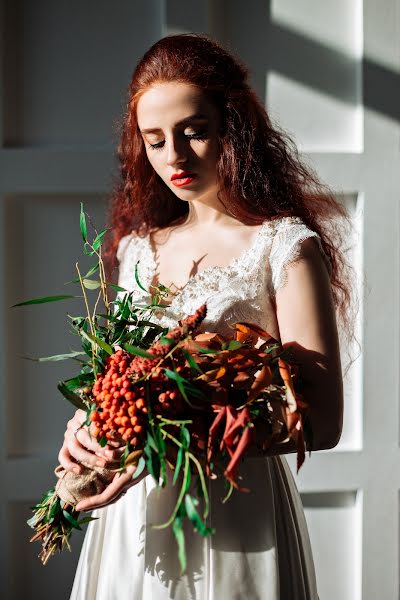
x: 176, y: 151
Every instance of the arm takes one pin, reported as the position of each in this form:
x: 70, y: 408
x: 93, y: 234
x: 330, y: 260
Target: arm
x: 307, y: 322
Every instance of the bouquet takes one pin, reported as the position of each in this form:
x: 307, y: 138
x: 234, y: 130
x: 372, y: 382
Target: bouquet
x: 173, y: 399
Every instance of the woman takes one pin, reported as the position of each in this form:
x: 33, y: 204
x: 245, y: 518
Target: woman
x: 216, y: 205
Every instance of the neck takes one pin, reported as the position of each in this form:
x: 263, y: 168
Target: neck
x: 207, y: 213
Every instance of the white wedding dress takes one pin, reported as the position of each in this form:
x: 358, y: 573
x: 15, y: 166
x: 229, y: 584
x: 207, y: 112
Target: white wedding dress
x: 261, y: 548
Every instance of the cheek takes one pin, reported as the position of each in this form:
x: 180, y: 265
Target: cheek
x: 210, y: 155
x: 205, y: 150
x: 153, y: 161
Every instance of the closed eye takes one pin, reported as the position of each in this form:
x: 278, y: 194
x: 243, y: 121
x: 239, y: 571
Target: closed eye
x: 200, y: 135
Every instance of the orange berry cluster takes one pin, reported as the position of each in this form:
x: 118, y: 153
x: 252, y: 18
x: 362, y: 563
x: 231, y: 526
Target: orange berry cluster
x: 119, y: 392
x: 165, y: 397
x: 120, y: 396
x: 123, y: 408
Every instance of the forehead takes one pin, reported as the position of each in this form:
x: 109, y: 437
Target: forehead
x: 165, y: 104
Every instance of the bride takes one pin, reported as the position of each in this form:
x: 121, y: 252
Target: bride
x: 214, y: 202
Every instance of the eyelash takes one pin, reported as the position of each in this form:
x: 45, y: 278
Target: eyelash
x: 201, y: 135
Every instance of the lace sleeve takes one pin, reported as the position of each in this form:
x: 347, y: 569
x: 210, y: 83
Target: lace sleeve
x: 286, y: 248
x: 122, y: 246
x: 126, y: 255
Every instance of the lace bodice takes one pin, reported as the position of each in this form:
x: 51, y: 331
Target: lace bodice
x: 243, y: 290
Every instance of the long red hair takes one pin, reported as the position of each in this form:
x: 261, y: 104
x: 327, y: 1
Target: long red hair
x: 260, y: 173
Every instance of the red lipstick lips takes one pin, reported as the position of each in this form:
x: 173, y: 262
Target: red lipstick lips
x: 182, y: 178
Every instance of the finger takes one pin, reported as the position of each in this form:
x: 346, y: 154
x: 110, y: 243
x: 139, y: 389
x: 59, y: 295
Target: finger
x: 85, y: 437
x: 115, y: 498
x: 110, y: 493
x: 80, y: 453
x: 120, y: 487
x: 78, y: 418
x: 67, y: 461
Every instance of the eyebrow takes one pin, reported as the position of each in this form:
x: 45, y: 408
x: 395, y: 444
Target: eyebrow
x: 194, y: 117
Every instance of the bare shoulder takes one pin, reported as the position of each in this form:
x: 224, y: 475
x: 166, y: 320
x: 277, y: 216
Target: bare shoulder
x: 307, y: 275
x: 305, y: 304
x: 309, y: 260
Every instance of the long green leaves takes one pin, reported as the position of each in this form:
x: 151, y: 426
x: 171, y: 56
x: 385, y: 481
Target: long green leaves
x: 56, y: 357
x: 82, y: 223
x: 45, y: 299
x: 71, y: 396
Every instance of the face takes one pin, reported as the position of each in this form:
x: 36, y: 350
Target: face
x: 179, y: 128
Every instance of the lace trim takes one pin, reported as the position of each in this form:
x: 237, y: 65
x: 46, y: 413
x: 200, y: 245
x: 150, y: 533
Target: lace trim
x: 286, y: 248
x: 241, y: 280
x: 240, y: 287
x: 123, y: 243
x: 236, y: 266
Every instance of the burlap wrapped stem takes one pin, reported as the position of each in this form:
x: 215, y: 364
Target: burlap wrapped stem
x: 74, y: 487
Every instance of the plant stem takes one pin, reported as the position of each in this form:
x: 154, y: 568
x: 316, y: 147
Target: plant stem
x: 94, y: 346
x: 200, y: 471
x: 180, y: 498
x: 103, y: 279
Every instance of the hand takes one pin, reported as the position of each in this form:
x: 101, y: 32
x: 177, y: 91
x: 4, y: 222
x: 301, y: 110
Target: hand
x: 117, y: 488
x: 79, y: 447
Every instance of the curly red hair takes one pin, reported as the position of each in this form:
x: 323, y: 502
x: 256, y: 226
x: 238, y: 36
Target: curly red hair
x: 260, y: 173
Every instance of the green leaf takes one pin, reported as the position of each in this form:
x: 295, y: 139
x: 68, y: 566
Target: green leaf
x: 71, y: 396
x: 180, y: 539
x: 185, y: 437
x: 152, y: 443
x: 168, y: 341
x: 45, y: 299
x: 55, y: 508
x: 140, y: 467
x: 180, y: 381
x: 231, y: 345
x: 87, y: 520
x: 87, y: 250
x: 178, y: 465
x: 138, y: 351
x: 106, y: 347
x: 32, y: 521
x: 80, y: 380
x: 228, y: 495
x: 152, y: 463
x: 205, y: 350
x: 91, y: 271
x: 98, y: 240
x: 184, y: 386
x: 191, y: 361
x: 55, y: 358
x: 137, y: 278
x: 73, y: 522
x: 82, y: 223
x: 195, y: 517
x: 91, y: 284
x: 124, y: 455
x: 117, y: 288
x: 187, y: 478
